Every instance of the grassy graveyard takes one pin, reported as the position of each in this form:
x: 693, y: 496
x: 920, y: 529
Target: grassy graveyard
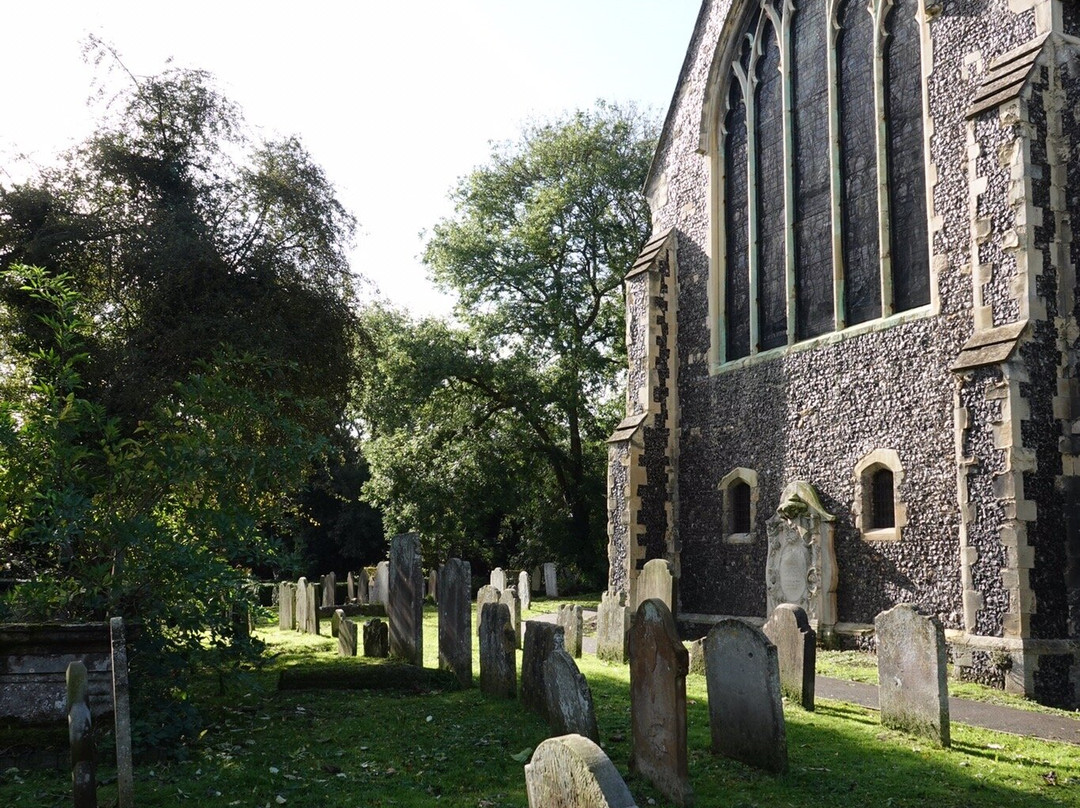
x: 414, y: 741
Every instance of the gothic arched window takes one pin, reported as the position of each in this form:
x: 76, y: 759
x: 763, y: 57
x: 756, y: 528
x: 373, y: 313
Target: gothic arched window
x: 822, y: 174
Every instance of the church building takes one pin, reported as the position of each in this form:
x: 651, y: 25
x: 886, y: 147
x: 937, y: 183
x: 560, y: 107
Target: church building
x: 853, y: 338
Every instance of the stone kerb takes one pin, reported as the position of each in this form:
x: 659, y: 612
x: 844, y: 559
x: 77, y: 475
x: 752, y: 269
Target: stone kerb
x: 612, y: 628
x: 573, y: 772
x: 571, y: 619
x: 513, y: 603
x: 656, y: 580
x: 912, y: 693
x: 455, y: 619
x: 524, y: 591
x: 498, y: 669
x: 405, y: 608
x: 541, y: 640
x: 658, y: 667
x: 346, y: 636
x: 788, y: 628
x: 746, y: 713
x: 568, y: 697
x: 486, y: 594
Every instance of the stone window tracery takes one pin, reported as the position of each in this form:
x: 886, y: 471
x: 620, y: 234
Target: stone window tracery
x: 822, y: 220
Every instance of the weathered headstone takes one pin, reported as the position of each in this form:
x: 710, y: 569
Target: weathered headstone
x: 541, y: 640
x: 658, y: 666
x: 301, y: 605
x: 346, y: 637
x: 363, y: 587
x: 569, y: 699
x: 696, y: 649
x: 498, y: 578
x: 381, y: 588
x: 455, y: 619
x: 433, y: 585
x: 335, y: 622
x: 746, y: 713
x: 572, y: 622
x: 551, y: 584
x: 286, y: 606
x: 612, y: 627
x: 81, y: 738
x: 329, y: 590
x: 510, y: 598
x: 350, y: 587
x: 376, y: 638
x: 788, y: 628
x: 498, y: 671
x: 523, y: 590
x: 406, y: 604
x: 573, y: 772
x: 537, y: 580
x: 486, y: 594
x: 656, y: 580
x: 125, y: 773
x: 912, y: 689
x: 311, y: 610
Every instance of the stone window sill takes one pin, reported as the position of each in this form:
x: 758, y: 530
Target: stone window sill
x: 739, y: 538
x: 882, y: 534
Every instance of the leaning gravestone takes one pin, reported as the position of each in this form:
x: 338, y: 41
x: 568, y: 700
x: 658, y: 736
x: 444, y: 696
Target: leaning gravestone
x: 746, y: 713
x: 551, y: 583
x: 376, y: 639
x: 510, y: 598
x: 329, y: 590
x: 572, y: 622
x: 382, y: 583
x: 912, y: 690
x: 541, y: 640
x: 286, y: 606
x: 486, y: 594
x: 568, y: 697
x: 573, y: 772
x: 498, y: 671
x: 788, y: 628
x: 523, y: 591
x: 658, y: 666
x: 406, y: 603
x: 455, y: 619
x: 498, y: 578
x: 346, y: 638
x: 612, y: 627
x: 657, y: 580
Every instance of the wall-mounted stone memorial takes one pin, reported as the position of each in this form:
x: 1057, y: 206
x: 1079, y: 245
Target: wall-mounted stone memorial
x: 455, y: 619
x: 912, y: 690
x: 788, y: 628
x: 573, y: 772
x: 801, y: 564
x: 746, y: 714
x: 405, y: 608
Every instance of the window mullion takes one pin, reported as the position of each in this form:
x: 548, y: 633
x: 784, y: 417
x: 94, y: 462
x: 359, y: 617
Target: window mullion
x: 880, y: 11
x: 752, y: 192
x: 839, y: 306
x: 786, y: 56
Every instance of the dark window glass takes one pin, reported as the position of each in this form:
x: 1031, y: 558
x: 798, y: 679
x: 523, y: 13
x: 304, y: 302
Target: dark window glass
x: 858, y: 148
x: 813, y: 191
x: 772, y: 270
x: 882, y: 510
x: 907, y: 180
x: 736, y: 228
x: 740, y: 507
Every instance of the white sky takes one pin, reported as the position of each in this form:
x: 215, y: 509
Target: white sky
x: 395, y: 100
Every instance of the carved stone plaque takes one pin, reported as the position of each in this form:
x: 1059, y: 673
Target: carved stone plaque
x: 801, y: 565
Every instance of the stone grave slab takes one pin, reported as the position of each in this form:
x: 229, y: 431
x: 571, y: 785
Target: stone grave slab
x: 376, y: 639
x: 381, y: 588
x: 573, y: 772
x: 788, y: 628
x: 346, y: 638
x: 572, y: 622
x: 569, y: 700
x: 455, y: 619
x: 524, y: 591
x: 656, y: 580
x: 286, y: 606
x: 498, y: 578
x: 329, y: 590
x: 551, y: 580
x: 405, y: 609
x: 612, y: 628
x: 486, y: 594
x: 498, y: 671
x: 541, y: 640
x: 513, y: 603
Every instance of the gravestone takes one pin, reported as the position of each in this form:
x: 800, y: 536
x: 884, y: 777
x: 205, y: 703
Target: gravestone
x: 912, y: 690
x: 405, y: 609
x: 658, y: 666
x: 311, y: 610
x: 551, y: 584
x: 350, y: 587
x: 568, y: 698
x: 573, y: 772
x: 696, y: 649
x: 81, y: 737
x: 433, y: 585
x: 537, y: 580
x: 541, y: 640
x: 498, y: 578
x: 656, y: 580
x: 789, y: 630
x: 335, y: 622
x: 455, y: 619
x: 286, y: 606
x: 486, y: 594
x: 612, y: 628
x: 329, y: 590
x: 363, y: 587
x: 498, y: 671
x: 346, y: 637
x: 523, y: 590
x: 510, y: 598
x: 746, y: 713
x: 570, y: 618
x: 801, y: 564
x: 381, y: 584
x: 301, y: 605
x: 125, y: 772
x: 376, y: 638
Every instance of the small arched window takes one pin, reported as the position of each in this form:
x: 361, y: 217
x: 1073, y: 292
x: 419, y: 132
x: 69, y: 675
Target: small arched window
x: 879, y: 512
x: 740, y: 492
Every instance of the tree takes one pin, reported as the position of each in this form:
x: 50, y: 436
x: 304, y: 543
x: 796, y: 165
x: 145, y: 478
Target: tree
x: 536, y: 252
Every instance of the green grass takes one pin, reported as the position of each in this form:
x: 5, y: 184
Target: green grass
x: 418, y: 747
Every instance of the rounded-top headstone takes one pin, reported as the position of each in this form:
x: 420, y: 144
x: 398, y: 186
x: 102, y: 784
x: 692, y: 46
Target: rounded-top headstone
x: 573, y: 772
